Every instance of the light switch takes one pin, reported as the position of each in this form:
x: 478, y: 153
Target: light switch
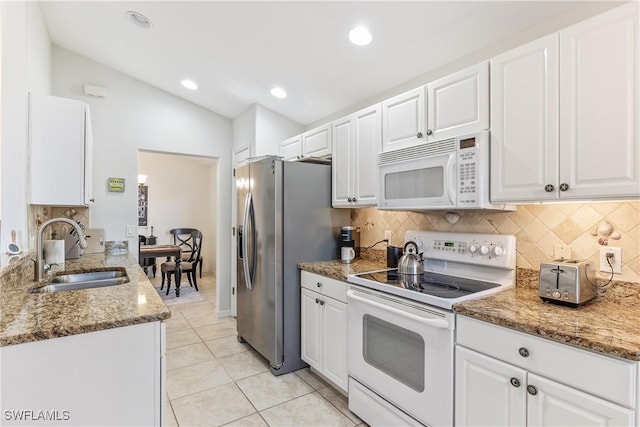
x: 130, y: 230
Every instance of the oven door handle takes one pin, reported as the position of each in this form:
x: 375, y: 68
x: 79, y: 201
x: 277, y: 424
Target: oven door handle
x: 437, y: 323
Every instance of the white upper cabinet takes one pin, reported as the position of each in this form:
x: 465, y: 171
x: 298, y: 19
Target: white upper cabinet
x: 403, y: 120
x: 599, y: 100
x: 524, y: 121
x: 291, y: 149
x: 317, y: 142
x: 313, y: 143
x: 456, y: 104
x: 459, y: 103
x: 564, y: 112
x: 356, y: 143
x: 60, y: 151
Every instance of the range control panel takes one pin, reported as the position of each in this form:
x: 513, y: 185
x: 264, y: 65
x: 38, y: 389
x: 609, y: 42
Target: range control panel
x: 484, y: 249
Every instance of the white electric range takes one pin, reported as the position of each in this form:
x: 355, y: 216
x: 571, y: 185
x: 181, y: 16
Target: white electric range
x: 401, y: 335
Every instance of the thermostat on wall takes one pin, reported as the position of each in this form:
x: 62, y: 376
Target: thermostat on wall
x: 116, y: 185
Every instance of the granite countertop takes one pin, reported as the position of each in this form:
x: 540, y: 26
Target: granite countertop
x: 27, y: 317
x: 338, y: 270
x: 609, y: 324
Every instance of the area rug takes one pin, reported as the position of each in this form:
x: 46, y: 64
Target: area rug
x: 187, y: 294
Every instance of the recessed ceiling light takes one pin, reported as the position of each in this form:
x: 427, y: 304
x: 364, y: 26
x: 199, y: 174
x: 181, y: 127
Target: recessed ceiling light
x: 189, y: 84
x: 278, y: 92
x: 139, y: 19
x: 360, y: 36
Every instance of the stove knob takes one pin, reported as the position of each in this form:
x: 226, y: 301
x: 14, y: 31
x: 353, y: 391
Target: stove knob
x: 555, y: 294
x: 497, y: 251
x: 484, y: 249
x: 473, y: 248
x: 418, y: 243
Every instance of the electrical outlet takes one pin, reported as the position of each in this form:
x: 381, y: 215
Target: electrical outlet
x: 616, y: 261
x: 130, y: 230
x: 561, y: 252
x: 387, y: 236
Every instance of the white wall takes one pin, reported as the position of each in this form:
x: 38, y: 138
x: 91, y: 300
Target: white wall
x: 185, y: 203
x: 136, y: 116
x: 26, y: 66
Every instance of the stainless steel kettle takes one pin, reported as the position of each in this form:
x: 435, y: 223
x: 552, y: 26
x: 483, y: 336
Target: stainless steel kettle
x: 411, y: 262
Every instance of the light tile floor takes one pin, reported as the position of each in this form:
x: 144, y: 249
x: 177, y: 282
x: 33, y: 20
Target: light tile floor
x: 213, y: 380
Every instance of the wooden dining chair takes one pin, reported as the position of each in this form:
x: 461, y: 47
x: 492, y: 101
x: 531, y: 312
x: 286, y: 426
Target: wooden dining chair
x: 190, y: 240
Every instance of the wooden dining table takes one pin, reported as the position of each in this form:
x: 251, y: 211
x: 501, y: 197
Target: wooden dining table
x: 156, y: 251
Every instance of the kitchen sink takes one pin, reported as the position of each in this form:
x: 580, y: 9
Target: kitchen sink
x: 84, y: 280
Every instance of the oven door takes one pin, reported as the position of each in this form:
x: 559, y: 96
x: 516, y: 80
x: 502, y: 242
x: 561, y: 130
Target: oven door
x: 403, y: 352
x: 423, y: 182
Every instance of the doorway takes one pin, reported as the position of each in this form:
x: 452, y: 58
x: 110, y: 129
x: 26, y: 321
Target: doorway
x: 180, y: 192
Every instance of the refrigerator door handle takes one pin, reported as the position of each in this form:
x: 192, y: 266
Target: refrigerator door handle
x: 245, y: 262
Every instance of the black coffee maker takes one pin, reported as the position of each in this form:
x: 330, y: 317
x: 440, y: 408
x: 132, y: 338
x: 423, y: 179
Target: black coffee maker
x: 349, y: 239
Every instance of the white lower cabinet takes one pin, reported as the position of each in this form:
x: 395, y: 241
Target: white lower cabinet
x: 110, y: 377
x: 507, y: 378
x: 324, y: 327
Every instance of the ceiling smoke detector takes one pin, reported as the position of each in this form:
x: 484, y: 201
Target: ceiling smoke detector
x: 139, y: 19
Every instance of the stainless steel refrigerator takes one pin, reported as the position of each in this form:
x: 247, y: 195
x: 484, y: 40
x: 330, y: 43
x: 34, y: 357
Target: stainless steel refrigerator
x: 284, y: 217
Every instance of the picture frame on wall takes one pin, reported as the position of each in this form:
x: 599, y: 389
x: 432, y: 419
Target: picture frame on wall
x: 143, y: 205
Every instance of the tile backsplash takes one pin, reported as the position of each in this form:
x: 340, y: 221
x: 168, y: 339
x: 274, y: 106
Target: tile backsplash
x: 536, y: 227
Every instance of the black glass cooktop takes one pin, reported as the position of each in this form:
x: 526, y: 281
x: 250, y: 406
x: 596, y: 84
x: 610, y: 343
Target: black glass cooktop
x: 438, y: 285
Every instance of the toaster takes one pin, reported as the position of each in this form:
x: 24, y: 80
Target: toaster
x: 567, y: 282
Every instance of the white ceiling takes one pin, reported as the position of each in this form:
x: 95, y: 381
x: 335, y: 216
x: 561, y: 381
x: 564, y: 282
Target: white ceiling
x: 236, y: 50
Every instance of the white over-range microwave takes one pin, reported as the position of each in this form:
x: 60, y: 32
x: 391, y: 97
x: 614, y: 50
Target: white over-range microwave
x: 448, y: 174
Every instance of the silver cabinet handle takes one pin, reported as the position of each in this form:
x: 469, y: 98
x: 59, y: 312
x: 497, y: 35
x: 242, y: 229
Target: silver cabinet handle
x: 564, y: 186
x: 354, y: 200
x: 92, y: 200
x: 429, y: 132
x: 321, y: 302
x: 317, y: 300
x: 549, y: 188
x: 319, y: 284
x: 515, y: 382
x: 523, y: 352
x: 532, y: 390
x: 419, y: 135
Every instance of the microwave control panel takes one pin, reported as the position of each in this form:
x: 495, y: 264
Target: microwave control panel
x: 468, y: 168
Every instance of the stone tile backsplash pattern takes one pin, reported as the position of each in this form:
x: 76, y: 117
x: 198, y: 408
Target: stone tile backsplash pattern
x: 536, y: 227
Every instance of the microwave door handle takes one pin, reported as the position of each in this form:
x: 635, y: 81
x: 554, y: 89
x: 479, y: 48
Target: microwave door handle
x: 437, y: 323
x: 453, y: 181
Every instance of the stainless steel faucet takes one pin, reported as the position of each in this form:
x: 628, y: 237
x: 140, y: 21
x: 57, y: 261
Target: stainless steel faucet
x: 41, y: 267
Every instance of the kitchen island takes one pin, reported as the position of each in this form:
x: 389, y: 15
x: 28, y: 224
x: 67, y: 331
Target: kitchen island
x: 82, y: 357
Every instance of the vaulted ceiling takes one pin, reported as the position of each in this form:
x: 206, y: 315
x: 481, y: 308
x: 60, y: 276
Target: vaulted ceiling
x: 236, y: 51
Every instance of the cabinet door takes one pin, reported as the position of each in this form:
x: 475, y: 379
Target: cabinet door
x: 109, y: 377
x: 553, y: 404
x: 317, y: 142
x: 291, y: 149
x: 334, y: 334
x: 88, y: 157
x: 459, y: 103
x: 488, y: 392
x: 403, y: 120
x: 524, y: 122
x: 341, y: 162
x: 599, y: 100
x: 57, y: 150
x: 367, y: 143
x: 311, y: 328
